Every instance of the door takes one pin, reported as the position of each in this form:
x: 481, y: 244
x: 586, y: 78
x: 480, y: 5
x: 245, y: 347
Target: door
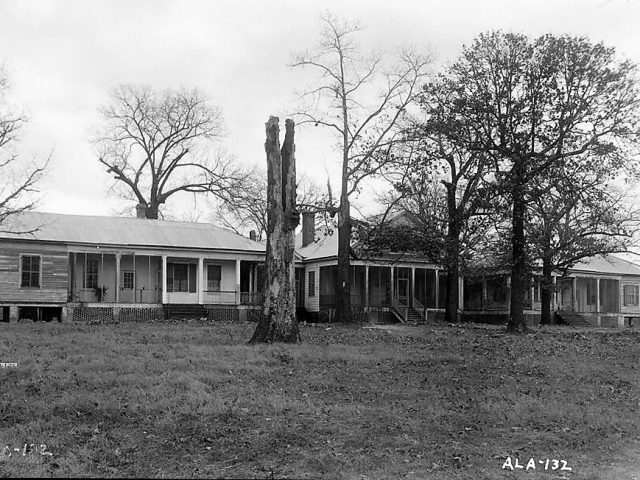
x: 403, y: 291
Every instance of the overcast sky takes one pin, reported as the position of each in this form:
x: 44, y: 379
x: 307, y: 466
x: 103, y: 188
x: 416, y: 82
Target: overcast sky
x: 64, y: 56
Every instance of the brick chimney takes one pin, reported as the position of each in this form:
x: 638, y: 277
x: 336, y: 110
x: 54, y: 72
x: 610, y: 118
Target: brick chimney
x: 252, y: 235
x: 308, y: 228
x: 141, y: 210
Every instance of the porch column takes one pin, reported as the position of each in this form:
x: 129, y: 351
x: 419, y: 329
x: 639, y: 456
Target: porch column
x: 437, y: 288
x: 413, y: 287
x: 620, y: 300
x: 238, y: 282
x: 392, y: 287
x: 201, y: 280
x: 255, y: 278
x: 574, y: 294
x: 533, y: 287
x: 135, y: 277
x: 251, y: 267
x: 460, y: 292
x: 554, y: 293
x: 620, y: 303
x: 597, y: 295
x: 164, y: 278
x: 366, y: 286
x: 72, y: 277
x: 118, y: 258
x: 483, y: 299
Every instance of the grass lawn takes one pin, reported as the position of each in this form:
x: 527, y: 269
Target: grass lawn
x: 441, y: 402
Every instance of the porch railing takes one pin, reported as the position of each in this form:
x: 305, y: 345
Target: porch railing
x: 219, y: 297
x: 329, y: 300
x: 251, y: 298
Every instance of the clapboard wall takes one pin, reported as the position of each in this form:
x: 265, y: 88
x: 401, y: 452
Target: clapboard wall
x: 54, y: 270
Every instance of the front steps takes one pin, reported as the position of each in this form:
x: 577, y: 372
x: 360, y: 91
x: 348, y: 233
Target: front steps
x: 187, y: 311
x: 573, y: 319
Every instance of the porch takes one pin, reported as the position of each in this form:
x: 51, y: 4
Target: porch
x: 117, y: 278
x: 409, y: 292
x: 591, y: 299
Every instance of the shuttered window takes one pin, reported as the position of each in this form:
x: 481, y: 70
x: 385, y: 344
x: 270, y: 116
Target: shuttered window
x: 181, y: 277
x: 214, y: 278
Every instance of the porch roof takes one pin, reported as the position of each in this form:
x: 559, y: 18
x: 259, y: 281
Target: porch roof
x: 326, y: 247
x: 607, y: 265
x: 140, y: 232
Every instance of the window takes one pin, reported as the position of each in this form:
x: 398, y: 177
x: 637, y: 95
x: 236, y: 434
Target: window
x: 91, y: 275
x: 214, y: 278
x: 312, y: 284
x: 30, y: 271
x: 181, y: 277
x: 631, y: 295
x: 128, y: 279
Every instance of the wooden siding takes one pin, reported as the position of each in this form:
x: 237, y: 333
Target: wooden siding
x: 53, y: 279
x: 312, y: 304
x: 629, y: 309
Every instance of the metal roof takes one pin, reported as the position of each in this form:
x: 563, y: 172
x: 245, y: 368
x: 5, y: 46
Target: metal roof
x: 85, y: 229
x: 326, y: 247
x: 607, y: 265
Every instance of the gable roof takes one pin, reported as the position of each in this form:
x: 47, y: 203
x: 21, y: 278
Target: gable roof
x: 140, y: 232
x: 326, y: 245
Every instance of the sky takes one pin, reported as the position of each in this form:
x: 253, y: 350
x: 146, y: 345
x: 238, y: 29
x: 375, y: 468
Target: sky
x: 63, y: 57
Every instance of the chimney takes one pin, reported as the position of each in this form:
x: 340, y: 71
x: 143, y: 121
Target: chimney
x: 141, y: 210
x: 252, y: 235
x: 308, y: 228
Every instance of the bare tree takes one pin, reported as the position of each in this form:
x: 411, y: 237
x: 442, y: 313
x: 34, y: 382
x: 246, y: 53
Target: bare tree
x: 362, y: 103
x: 278, y: 322
x: 18, y: 180
x: 245, y: 207
x: 157, y: 144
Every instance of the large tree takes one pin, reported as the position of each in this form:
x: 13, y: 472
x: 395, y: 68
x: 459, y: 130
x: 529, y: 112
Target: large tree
x: 278, y: 322
x: 575, y: 213
x: 18, y: 178
x: 157, y: 144
x: 362, y: 101
x: 536, y: 104
x: 445, y: 151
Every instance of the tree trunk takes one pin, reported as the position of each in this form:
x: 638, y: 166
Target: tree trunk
x: 519, y: 261
x: 453, y: 258
x: 546, y: 294
x: 343, y: 288
x: 278, y: 322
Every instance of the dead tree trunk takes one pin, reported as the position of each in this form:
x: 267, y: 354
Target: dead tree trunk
x: 278, y: 322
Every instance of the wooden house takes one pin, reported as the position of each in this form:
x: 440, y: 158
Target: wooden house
x: 83, y: 267
x: 600, y: 291
x: 76, y: 267
x: 389, y: 287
